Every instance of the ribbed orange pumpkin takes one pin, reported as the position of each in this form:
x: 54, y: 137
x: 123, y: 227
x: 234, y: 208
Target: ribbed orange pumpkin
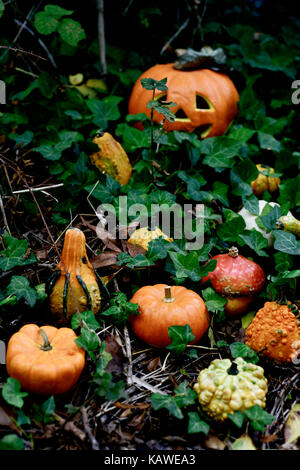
x: 162, y: 306
x: 205, y: 99
x: 78, y: 290
x: 45, y: 360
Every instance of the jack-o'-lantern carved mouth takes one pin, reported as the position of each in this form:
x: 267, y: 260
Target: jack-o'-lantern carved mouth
x: 201, y: 104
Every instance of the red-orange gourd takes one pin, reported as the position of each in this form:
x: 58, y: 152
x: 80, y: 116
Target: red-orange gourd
x: 162, y: 306
x: 206, y: 100
x: 238, y: 279
x: 45, y: 360
x: 275, y: 331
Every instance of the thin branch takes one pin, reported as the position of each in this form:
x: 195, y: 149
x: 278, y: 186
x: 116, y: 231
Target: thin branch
x: 101, y: 36
x: 168, y: 43
x: 14, y: 49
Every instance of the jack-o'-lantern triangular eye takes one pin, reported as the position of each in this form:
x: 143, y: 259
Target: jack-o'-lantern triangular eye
x: 180, y: 114
x: 202, y: 102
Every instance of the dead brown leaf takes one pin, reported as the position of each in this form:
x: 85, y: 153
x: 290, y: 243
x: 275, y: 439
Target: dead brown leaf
x: 154, y: 364
x: 108, y: 258
x: 213, y: 442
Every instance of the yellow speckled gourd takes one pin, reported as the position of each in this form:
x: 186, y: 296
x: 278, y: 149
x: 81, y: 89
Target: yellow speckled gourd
x: 274, y: 330
x: 264, y: 182
x: 111, y: 158
x: 143, y: 236
x: 78, y: 290
x: 225, y: 387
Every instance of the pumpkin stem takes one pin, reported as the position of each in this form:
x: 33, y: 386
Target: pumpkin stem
x: 46, y: 346
x: 233, y: 369
x: 233, y: 252
x: 168, y: 295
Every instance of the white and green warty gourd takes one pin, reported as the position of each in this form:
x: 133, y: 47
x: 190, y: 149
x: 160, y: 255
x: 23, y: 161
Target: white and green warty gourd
x: 225, y: 387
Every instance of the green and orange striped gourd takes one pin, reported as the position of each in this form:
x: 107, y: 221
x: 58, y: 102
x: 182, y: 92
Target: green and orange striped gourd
x: 73, y: 286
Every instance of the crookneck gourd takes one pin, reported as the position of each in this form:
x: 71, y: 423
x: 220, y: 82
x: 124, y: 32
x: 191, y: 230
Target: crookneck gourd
x: 73, y: 286
x: 225, y: 387
x: 111, y: 158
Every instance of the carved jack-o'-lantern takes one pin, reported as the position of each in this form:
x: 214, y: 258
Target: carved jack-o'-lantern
x: 205, y: 100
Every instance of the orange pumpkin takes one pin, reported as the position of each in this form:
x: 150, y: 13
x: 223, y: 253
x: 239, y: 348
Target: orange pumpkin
x: 45, y: 360
x: 162, y: 306
x: 78, y: 289
x: 206, y: 100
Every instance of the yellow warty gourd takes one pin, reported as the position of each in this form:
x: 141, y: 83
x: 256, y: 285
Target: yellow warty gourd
x: 111, y: 158
x: 225, y: 387
x: 143, y: 236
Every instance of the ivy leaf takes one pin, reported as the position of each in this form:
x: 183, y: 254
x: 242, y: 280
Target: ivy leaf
x: 2, y: 8
x: 12, y: 394
x: 104, y: 110
x: 71, y: 31
x: 45, y: 23
x: 151, y: 84
x: 184, y: 396
x: 237, y: 418
x: 159, y: 401
x: 22, y: 139
x: 220, y: 151
x: 20, y: 287
x: 57, y: 11
x: 239, y: 349
x: 88, y: 340
x: 15, y: 253
x: 213, y: 300
x: 196, y: 425
x: 259, y: 418
x: 12, y: 442
x: 233, y: 226
x: 256, y: 241
x: 186, y: 266
x: 44, y: 413
x: 270, y: 218
x: 268, y: 141
x: 180, y: 336
x: 286, y: 242
x: 88, y: 317
x: 134, y: 139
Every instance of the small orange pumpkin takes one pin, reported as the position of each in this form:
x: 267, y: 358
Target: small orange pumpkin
x: 206, y: 100
x: 74, y: 286
x: 274, y: 331
x: 162, y: 306
x: 45, y: 360
x: 263, y: 182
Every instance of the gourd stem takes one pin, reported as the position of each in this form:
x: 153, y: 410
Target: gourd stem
x: 233, y: 369
x: 233, y: 252
x: 46, y: 346
x: 168, y: 295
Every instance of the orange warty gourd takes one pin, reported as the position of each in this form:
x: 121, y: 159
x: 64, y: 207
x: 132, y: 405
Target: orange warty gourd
x: 275, y: 331
x: 206, y: 100
x: 78, y: 290
x: 162, y: 306
x: 263, y: 182
x: 238, y: 279
x: 45, y: 360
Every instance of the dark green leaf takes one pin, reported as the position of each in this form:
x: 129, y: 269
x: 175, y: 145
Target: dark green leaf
x: 180, y: 336
x: 196, y: 425
x: 12, y: 394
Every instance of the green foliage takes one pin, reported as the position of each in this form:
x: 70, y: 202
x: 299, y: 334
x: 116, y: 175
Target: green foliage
x: 183, y: 397
x: 257, y: 417
x: 12, y: 394
x: 180, y: 336
x: 15, y: 253
x: 120, y: 309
